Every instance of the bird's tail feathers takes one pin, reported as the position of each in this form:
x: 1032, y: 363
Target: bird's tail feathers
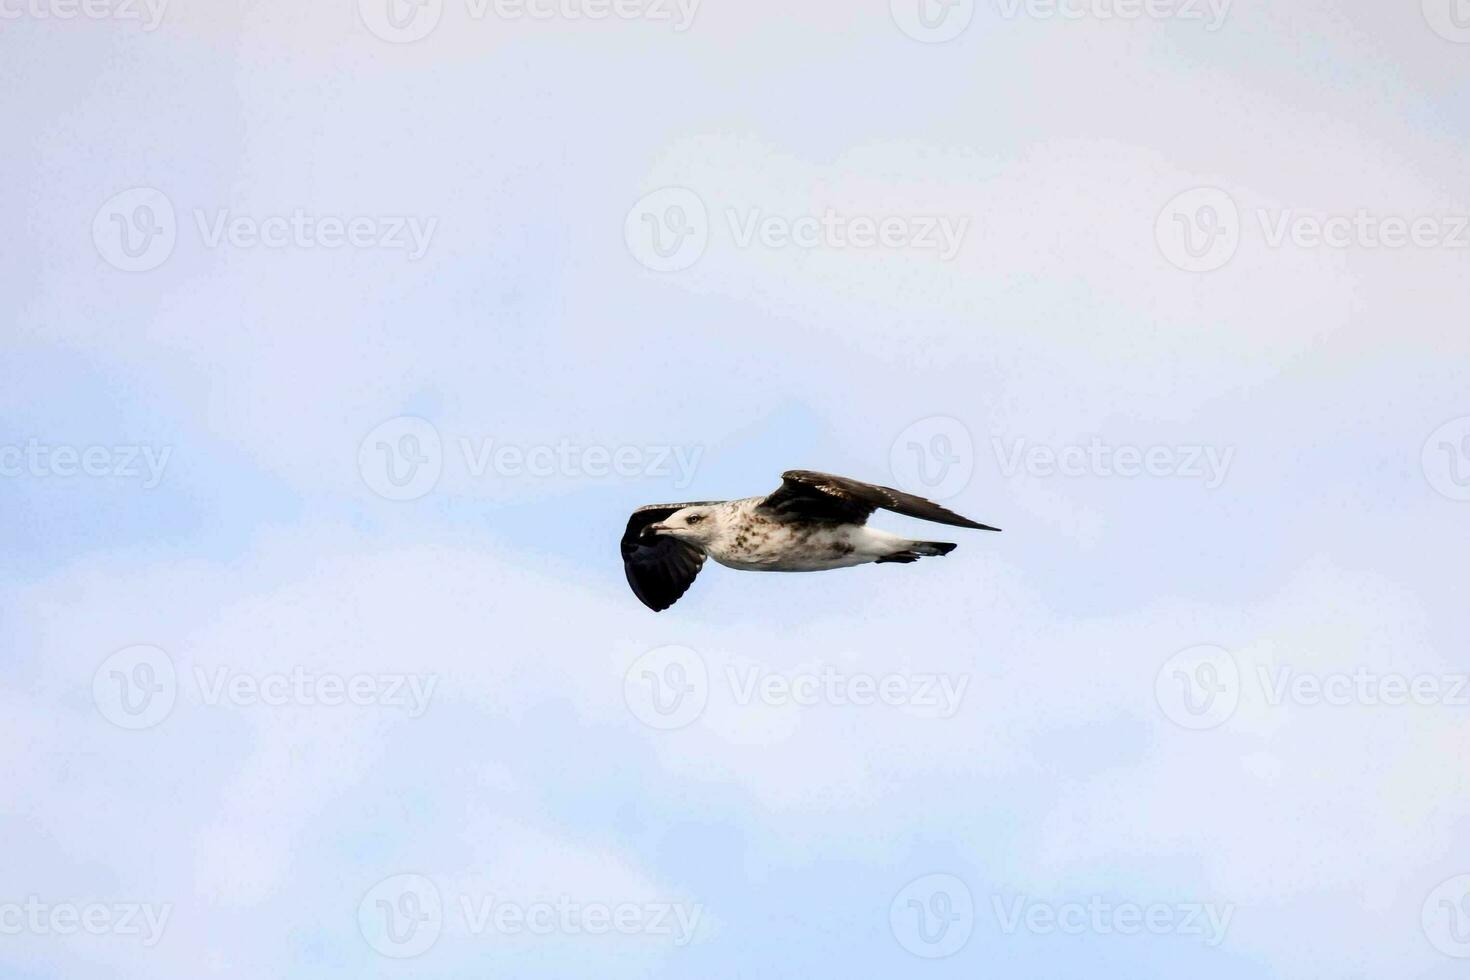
x: 914, y: 550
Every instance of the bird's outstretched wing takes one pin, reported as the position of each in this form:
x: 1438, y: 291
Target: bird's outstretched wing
x: 810, y: 496
x: 659, y: 568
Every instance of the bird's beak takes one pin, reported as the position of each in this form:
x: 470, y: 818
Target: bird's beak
x: 653, y: 529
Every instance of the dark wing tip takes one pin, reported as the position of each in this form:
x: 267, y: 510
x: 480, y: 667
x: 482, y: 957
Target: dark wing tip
x: 660, y: 579
x: 943, y: 515
x: 659, y: 571
x: 873, y: 495
x: 651, y: 604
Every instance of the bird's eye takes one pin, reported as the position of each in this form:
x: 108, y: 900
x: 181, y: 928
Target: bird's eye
x: 694, y: 518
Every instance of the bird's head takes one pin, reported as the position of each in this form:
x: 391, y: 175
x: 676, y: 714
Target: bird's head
x: 696, y: 525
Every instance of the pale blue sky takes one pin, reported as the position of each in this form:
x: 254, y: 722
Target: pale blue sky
x: 1332, y: 543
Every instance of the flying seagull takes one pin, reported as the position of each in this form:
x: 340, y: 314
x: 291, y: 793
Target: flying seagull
x: 812, y: 522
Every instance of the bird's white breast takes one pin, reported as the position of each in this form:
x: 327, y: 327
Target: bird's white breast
x: 753, y: 544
